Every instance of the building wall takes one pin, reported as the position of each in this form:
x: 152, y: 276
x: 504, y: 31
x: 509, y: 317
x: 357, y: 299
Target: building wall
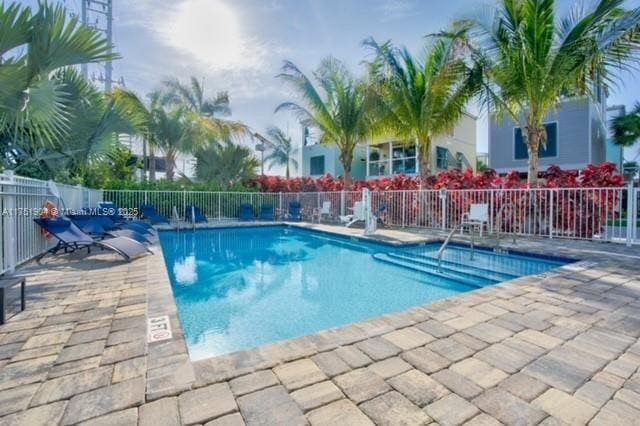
x: 577, y: 121
x: 332, y: 163
x: 462, y: 140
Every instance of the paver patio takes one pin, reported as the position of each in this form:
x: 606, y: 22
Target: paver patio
x: 557, y: 348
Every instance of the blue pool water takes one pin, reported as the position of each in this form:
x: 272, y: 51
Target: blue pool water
x: 238, y: 288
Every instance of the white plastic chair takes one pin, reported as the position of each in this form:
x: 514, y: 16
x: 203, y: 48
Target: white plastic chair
x: 318, y: 213
x: 478, y: 216
x: 357, y: 216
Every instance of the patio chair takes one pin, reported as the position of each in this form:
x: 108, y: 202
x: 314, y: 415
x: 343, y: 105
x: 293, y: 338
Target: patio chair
x: 149, y: 212
x: 71, y: 238
x: 194, y: 214
x: 478, y: 216
x: 318, y: 213
x: 246, y: 212
x: 295, y: 211
x: 110, y: 210
x: 90, y: 226
x: 357, y: 216
x: 266, y: 212
x: 87, y: 221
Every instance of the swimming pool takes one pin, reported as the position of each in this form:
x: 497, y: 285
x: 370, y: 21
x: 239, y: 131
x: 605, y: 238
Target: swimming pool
x: 238, y: 288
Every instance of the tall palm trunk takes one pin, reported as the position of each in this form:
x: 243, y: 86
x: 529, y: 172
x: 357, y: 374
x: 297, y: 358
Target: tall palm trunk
x: 170, y: 164
x: 347, y: 159
x: 425, y: 157
x: 286, y: 172
x: 152, y: 164
x: 535, y: 136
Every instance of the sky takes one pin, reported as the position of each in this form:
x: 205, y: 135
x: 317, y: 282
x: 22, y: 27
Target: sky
x: 239, y: 45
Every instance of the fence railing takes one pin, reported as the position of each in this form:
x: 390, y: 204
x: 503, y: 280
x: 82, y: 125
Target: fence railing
x: 606, y: 214
x: 21, y: 200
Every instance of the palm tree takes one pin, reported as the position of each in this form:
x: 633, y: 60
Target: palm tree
x: 533, y: 59
x: 34, y: 106
x: 341, y: 109
x: 202, y: 112
x: 227, y: 164
x: 282, y: 150
x: 626, y: 128
x: 422, y: 99
x: 91, y: 135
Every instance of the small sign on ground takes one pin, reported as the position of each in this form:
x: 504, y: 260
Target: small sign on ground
x: 158, y: 328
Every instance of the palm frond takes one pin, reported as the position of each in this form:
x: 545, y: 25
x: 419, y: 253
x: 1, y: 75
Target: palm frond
x: 15, y: 26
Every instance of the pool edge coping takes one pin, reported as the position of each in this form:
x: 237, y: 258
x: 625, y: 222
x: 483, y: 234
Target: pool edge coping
x: 171, y: 356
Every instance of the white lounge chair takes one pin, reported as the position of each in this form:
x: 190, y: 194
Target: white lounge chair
x: 318, y: 213
x: 478, y: 216
x: 357, y: 216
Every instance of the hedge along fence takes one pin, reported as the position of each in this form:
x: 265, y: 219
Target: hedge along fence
x: 554, y: 212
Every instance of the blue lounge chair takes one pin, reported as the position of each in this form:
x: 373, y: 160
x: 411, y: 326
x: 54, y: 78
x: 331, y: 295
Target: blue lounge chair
x: 246, y: 212
x: 295, y: 211
x: 71, y: 238
x: 92, y: 227
x: 111, y: 211
x: 194, y: 214
x: 95, y: 224
x: 149, y: 212
x: 266, y: 212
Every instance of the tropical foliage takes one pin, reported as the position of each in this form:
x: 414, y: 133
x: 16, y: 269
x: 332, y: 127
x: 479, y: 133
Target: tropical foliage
x: 52, y: 121
x: 227, y: 164
x: 600, y: 176
x: 422, y: 98
x: 281, y: 149
x: 626, y: 128
x: 532, y: 58
x: 339, y: 105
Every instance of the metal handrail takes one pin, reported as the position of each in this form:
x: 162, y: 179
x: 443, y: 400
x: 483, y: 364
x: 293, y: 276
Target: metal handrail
x: 174, y: 214
x: 445, y: 244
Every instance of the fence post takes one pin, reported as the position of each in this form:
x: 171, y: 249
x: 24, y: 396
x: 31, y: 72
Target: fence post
x: 342, y: 203
x: 551, y: 212
x: 631, y: 212
x: 491, y: 210
x: 219, y: 205
x: 404, y: 208
x: 443, y: 207
x: 184, y: 202
x: 9, y: 225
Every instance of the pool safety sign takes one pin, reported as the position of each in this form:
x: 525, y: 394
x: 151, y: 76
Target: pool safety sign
x: 158, y: 328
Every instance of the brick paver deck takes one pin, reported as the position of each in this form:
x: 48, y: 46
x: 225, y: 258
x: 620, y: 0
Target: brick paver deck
x: 558, y: 348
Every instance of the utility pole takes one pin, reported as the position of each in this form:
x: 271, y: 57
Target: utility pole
x: 102, y: 11
x: 83, y: 16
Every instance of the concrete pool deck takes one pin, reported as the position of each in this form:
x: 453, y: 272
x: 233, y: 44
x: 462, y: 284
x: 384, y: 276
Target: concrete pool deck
x: 557, y: 348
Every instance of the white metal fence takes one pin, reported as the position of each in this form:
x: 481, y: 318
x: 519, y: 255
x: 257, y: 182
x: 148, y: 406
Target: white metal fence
x: 606, y: 214
x: 22, y: 200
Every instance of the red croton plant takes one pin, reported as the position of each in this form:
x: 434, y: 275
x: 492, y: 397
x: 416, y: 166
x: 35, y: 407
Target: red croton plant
x: 568, y: 210
x: 592, y: 176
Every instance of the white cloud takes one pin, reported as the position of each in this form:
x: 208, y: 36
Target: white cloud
x: 396, y: 9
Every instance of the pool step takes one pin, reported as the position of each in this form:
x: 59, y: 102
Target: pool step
x: 454, y: 266
x: 457, y: 277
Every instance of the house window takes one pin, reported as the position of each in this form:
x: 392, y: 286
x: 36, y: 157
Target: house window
x: 316, y: 165
x: 442, y: 159
x: 378, y: 160
x: 403, y: 158
x: 550, y: 150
